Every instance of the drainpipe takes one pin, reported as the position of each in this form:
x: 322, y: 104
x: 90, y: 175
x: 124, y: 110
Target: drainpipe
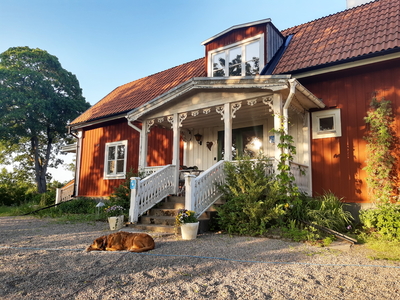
x: 78, y: 160
x: 292, y: 84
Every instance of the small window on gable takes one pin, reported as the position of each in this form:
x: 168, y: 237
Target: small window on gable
x: 115, y: 160
x: 326, y: 124
x: 239, y: 59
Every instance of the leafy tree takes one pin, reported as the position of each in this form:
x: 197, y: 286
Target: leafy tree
x: 38, y: 98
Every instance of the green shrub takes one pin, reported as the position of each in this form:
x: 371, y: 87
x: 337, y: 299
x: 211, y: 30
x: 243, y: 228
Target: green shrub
x: 384, y: 220
x: 252, y: 198
x: 81, y: 205
x: 122, y: 193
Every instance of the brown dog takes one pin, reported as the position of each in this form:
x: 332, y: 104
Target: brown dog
x: 133, y: 242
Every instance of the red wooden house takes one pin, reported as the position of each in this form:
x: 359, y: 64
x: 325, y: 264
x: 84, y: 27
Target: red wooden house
x: 320, y: 76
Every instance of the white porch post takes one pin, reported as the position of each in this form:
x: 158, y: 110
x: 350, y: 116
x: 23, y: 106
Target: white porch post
x: 307, y: 161
x: 228, y: 132
x: 277, y: 108
x: 143, y: 146
x: 176, y: 148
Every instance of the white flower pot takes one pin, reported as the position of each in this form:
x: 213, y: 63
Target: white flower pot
x: 189, y: 230
x: 116, y: 222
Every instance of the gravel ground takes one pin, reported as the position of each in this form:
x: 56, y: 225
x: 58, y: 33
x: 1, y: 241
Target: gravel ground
x: 40, y: 259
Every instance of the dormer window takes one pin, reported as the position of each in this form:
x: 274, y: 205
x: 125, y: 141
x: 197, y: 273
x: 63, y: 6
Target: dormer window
x: 239, y: 59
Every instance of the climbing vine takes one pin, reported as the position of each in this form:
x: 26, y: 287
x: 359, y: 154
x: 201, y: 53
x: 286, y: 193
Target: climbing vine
x: 288, y: 150
x: 381, y: 158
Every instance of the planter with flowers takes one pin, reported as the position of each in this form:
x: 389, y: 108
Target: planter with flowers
x: 115, y: 215
x: 188, y: 222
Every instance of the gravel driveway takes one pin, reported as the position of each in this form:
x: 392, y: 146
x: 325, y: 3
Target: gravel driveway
x: 40, y: 259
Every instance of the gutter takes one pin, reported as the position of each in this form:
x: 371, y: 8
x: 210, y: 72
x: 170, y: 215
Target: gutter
x: 292, y: 83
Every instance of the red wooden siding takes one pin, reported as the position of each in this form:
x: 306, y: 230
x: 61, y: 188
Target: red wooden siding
x: 338, y: 162
x: 91, y: 182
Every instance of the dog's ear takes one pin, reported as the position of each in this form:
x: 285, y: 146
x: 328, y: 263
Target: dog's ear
x: 104, y: 243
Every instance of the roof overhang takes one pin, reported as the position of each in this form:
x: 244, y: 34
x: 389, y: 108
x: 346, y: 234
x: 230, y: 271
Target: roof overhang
x: 267, y: 84
x: 236, y: 27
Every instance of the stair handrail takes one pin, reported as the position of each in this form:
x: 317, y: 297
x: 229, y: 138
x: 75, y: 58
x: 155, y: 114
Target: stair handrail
x: 147, y: 192
x: 202, y: 191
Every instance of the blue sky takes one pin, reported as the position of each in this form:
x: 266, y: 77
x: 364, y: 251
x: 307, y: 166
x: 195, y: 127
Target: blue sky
x: 107, y: 43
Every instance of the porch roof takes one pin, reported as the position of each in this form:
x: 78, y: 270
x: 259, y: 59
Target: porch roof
x: 198, y: 94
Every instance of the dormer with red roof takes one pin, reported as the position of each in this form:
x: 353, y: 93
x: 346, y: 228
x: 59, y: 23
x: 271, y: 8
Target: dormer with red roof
x: 242, y: 50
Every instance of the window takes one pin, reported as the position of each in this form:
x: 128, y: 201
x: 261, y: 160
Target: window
x: 326, y: 124
x: 239, y: 59
x: 115, y: 160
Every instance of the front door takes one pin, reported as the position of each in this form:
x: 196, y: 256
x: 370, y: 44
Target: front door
x: 245, y: 142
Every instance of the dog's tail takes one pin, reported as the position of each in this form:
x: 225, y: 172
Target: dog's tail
x: 141, y: 249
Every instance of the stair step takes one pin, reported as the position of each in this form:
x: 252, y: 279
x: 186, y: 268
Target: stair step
x: 175, y: 199
x: 171, y: 205
x: 156, y: 228
x: 158, y: 220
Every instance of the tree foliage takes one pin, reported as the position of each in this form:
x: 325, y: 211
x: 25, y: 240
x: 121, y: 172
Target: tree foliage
x: 38, y: 98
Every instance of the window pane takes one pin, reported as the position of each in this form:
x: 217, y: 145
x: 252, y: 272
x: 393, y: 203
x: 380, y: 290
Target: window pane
x: 219, y: 65
x: 235, y: 62
x: 326, y: 124
x: 252, y: 51
x: 121, y: 152
x: 111, y: 167
x: 111, y: 153
x: 252, y: 59
x: 120, y: 166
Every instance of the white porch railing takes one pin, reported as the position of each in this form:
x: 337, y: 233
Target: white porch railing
x: 302, y: 177
x: 147, y: 171
x: 65, y: 193
x: 149, y: 191
x: 202, y: 191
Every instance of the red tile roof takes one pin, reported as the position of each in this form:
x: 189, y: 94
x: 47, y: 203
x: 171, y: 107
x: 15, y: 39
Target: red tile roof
x: 371, y: 28
x: 136, y: 93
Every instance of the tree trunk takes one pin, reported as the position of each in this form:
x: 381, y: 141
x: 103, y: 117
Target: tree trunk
x: 40, y: 165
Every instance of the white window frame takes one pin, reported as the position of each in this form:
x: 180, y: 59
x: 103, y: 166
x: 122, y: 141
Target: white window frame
x: 115, y: 175
x: 317, y: 133
x: 226, y: 49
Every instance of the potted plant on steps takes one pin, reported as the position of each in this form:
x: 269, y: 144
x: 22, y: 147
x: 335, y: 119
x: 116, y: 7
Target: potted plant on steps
x: 188, y: 222
x: 115, y: 215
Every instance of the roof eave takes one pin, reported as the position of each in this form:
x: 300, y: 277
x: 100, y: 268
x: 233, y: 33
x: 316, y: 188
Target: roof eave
x: 236, y: 27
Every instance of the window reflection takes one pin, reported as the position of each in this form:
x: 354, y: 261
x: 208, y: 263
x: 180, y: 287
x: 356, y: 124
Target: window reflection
x: 243, y: 60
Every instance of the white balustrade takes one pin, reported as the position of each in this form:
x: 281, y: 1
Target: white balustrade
x: 149, y: 191
x: 202, y: 191
x: 147, y: 171
x: 65, y: 193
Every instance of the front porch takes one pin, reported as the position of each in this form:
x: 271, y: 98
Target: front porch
x: 215, y: 120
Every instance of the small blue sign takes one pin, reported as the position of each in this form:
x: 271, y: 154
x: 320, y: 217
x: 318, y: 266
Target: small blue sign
x: 133, y: 184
